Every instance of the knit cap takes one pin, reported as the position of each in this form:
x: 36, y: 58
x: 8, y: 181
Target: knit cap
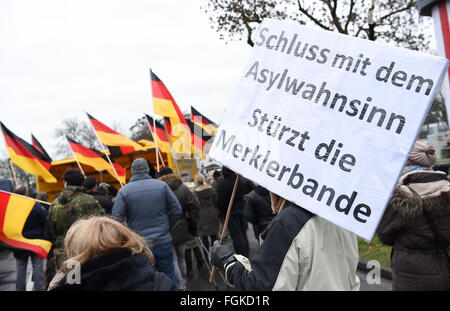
x: 140, y: 166
x: 422, y: 154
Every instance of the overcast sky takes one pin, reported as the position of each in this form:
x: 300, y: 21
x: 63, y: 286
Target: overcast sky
x: 60, y: 58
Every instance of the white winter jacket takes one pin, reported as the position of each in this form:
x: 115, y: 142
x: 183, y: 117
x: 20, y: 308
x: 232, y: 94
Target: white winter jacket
x: 300, y: 251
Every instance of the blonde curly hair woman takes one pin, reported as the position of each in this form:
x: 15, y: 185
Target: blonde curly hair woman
x: 109, y: 256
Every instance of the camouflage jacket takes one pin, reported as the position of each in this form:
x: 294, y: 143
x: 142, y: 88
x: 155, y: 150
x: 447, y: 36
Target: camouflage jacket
x: 71, y: 205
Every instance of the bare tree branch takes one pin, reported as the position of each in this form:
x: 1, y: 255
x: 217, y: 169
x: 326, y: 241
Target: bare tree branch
x: 350, y: 15
x: 316, y: 21
x: 334, y: 17
x: 405, y: 8
x: 400, y: 21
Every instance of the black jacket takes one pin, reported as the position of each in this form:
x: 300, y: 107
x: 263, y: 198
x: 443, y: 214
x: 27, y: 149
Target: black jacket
x: 119, y: 271
x: 258, y: 208
x: 104, y: 201
x: 187, y: 226
x: 34, y: 227
x: 208, y: 215
x: 225, y: 189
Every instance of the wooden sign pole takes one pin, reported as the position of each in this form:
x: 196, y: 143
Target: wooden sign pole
x: 225, y: 224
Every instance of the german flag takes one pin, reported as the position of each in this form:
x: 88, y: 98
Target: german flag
x: 168, y: 125
x: 180, y: 139
x: 36, y: 144
x: 199, y: 138
x: 121, y: 172
x: 14, y: 212
x: 165, y: 105
x: 109, y: 137
x: 158, y: 130
x: 92, y: 158
x: 26, y: 156
x: 199, y: 119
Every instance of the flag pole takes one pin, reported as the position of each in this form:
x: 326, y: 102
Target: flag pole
x: 11, y: 166
x: 156, y: 144
x: 171, y: 149
x: 107, y: 156
x: 161, y: 158
x: 13, y: 172
x: 160, y: 155
x: 283, y: 204
x: 225, y: 223
x: 75, y: 157
x: 154, y: 139
x: 157, y: 152
x: 43, y: 202
x: 109, y: 160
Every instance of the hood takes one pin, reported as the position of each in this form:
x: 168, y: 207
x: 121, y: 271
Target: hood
x: 434, y: 189
x: 261, y: 191
x: 68, y: 193
x: 172, y: 180
x: 204, y: 189
x: 227, y: 173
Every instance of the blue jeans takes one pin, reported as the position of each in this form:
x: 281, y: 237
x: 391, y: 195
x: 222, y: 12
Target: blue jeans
x: 180, y: 264
x: 164, y: 260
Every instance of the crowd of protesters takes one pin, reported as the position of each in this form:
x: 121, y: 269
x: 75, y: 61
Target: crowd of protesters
x: 148, y: 234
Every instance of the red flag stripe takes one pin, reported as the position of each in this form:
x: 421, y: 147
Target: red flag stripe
x: 159, y: 90
x: 78, y: 148
x: 18, y: 148
x: 99, y: 126
x: 126, y: 149
x: 119, y: 169
x: 21, y: 150
x: 445, y: 25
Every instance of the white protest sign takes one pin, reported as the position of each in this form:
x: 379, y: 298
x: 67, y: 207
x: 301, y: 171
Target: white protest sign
x: 327, y: 120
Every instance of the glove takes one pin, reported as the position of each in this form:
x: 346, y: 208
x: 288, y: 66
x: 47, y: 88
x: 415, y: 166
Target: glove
x: 222, y: 254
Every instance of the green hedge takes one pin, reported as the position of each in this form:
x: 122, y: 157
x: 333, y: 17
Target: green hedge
x: 375, y: 251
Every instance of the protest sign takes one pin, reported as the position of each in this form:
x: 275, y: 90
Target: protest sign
x: 327, y: 120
